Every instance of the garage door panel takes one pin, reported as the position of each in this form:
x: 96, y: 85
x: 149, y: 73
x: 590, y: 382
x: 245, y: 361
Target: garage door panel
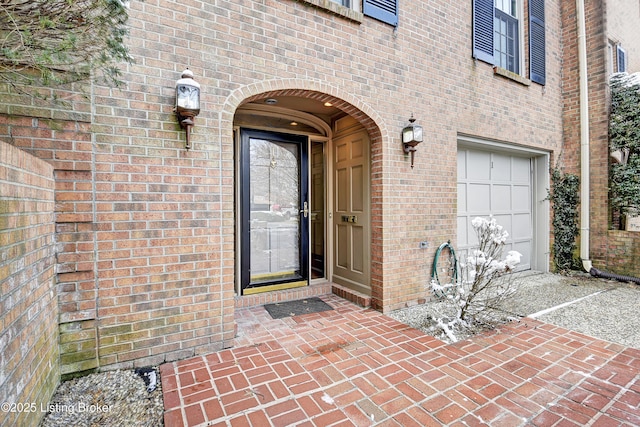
x: 505, y: 222
x: 462, y: 197
x: 508, y: 246
x: 521, y: 226
x: 521, y: 170
x: 462, y: 165
x: 478, y: 165
x: 479, y: 198
x: 501, y: 198
x: 521, y: 198
x: 501, y: 168
x: 463, y: 231
x: 525, y: 249
x: 473, y: 239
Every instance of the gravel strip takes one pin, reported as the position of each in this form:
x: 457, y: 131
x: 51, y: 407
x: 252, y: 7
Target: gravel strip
x: 111, y: 399
x: 597, y: 307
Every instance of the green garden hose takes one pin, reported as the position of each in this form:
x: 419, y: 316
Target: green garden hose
x: 438, y: 289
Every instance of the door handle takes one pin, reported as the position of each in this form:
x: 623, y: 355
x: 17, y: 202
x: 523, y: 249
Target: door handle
x: 305, y: 209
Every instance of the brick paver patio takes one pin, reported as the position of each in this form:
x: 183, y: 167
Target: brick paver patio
x: 356, y: 367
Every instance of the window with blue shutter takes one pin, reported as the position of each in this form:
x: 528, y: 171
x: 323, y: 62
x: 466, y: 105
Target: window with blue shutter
x: 496, y: 27
x: 621, y: 59
x: 537, y: 42
x: 483, y: 30
x: 382, y: 10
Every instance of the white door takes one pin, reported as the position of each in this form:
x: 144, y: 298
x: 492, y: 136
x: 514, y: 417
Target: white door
x: 499, y: 185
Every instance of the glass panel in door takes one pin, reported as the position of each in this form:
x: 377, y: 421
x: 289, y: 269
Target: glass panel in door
x: 275, y: 211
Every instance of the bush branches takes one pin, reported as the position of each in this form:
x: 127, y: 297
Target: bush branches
x: 624, y: 139
x: 56, y: 42
x: 565, y: 198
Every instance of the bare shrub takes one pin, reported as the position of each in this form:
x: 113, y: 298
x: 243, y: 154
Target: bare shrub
x: 485, y: 282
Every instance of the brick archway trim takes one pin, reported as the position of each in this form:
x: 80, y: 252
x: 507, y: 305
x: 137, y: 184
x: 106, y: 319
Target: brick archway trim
x: 340, y: 99
x: 350, y: 104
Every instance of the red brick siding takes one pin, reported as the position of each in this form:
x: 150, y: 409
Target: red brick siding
x: 162, y: 220
x: 29, y: 367
x: 60, y: 135
x: 623, y: 253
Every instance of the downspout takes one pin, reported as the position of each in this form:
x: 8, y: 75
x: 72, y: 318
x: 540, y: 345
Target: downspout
x: 584, y: 137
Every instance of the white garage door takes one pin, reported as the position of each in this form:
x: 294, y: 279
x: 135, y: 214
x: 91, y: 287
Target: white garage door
x: 497, y: 184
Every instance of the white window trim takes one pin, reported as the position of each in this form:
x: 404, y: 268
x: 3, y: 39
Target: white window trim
x: 353, y: 4
x: 350, y: 13
x: 521, y: 50
x: 610, y: 49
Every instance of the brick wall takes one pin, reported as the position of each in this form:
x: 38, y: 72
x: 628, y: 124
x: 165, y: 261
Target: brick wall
x: 609, y: 250
x: 29, y: 366
x: 147, y: 229
x: 623, y: 252
x: 59, y: 133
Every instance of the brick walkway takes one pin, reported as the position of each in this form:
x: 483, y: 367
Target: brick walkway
x: 353, y: 366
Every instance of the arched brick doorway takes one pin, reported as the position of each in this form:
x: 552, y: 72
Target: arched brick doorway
x: 325, y: 117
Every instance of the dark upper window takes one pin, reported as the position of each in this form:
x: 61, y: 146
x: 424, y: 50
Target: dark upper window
x: 496, y: 35
x: 621, y: 59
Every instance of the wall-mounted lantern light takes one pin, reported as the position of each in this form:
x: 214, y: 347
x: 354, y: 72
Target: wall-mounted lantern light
x: 411, y: 137
x: 187, y: 102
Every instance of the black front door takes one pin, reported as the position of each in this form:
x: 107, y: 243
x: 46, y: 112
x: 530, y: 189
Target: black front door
x: 274, y: 218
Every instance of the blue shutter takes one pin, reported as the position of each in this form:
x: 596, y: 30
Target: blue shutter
x: 537, y: 48
x: 621, y: 59
x: 483, y: 30
x: 382, y: 10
